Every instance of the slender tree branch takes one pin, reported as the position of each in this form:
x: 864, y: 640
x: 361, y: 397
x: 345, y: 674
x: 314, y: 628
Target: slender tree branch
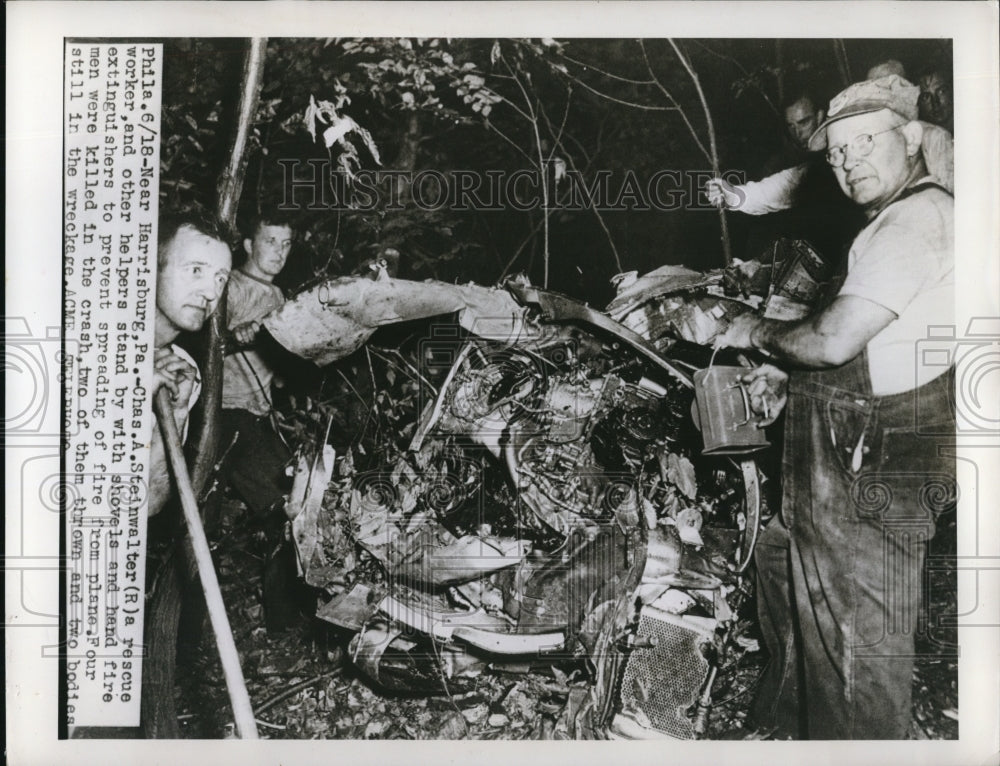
x: 677, y: 107
x: 506, y: 100
x: 545, y: 203
x: 557, y: 135
x: 726, y: 247
x: 644, y: 107
x: 368, y: 405
x: 704, y: 103
x: 293, y: 690
x: 541, y: 171
x: 592, y: 206
x: 520, y: 247
x: 603, y: 225
x: 567, y: 136
x: 509, y: 140
x: 408, y: 368
x: 609, y: 75
x: 231, y: 181
x: 599, y: 140
x: 742, y: 70
x: 779, y: 68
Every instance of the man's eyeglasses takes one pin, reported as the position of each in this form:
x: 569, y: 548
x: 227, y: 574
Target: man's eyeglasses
x: 860, y: 146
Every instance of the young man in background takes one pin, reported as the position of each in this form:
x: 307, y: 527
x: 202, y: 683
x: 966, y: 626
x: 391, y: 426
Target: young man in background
x: 256, y: 462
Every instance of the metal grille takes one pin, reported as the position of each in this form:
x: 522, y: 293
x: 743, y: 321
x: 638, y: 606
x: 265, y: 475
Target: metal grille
x: 661, y: 683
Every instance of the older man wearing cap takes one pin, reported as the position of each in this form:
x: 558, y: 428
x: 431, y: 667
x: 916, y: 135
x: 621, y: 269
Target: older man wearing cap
x: 868, y: 431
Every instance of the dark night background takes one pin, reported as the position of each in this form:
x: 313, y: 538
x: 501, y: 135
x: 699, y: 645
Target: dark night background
x: 593, y: 104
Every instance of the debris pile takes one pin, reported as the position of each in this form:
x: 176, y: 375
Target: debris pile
x: 552, y: 490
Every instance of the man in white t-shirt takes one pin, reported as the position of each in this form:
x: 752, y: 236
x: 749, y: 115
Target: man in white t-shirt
x: 193, y: 263
x: 255, y: 465
x: 868, y: 430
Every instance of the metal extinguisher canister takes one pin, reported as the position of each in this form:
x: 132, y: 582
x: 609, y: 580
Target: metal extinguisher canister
x: 721, y: 410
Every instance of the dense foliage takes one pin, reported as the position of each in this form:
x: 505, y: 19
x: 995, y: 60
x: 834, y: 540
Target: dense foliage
x: 480, y: 106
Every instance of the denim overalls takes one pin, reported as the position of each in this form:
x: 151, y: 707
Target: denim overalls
x: 839, y: 571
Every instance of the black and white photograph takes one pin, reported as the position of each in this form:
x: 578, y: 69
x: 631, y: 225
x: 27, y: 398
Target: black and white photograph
x: 434, y: 378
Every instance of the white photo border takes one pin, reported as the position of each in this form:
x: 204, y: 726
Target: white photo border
x: 35, y: 38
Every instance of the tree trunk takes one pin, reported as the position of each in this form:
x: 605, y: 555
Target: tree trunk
x: 230, y: 184
x: 176, y: 574
x: 408, y: 152
x: 159, y: 711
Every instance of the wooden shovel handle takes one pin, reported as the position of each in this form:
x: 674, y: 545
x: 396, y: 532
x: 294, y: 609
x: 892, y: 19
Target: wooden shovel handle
x: 246, y: 725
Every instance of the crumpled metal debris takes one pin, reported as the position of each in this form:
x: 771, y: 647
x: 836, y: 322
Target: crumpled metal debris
x: 305, y: 502
x: 548, y: 489
x: 335, y: 318
x: 634, y: 290
x: 673, y: 303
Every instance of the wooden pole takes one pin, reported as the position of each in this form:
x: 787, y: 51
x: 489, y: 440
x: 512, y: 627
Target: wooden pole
x: 727, y: 253
x: 843, y: 64
x: 779, y: 69
x: 246, y: 726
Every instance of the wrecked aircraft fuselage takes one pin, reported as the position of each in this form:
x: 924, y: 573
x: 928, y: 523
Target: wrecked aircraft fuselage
x: 553, y: 503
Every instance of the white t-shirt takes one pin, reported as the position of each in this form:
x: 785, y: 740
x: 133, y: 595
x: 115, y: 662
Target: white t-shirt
x: 904, y: 260
x: 246, y: 377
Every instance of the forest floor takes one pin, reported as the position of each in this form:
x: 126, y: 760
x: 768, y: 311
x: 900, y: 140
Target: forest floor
x: 302, y: 687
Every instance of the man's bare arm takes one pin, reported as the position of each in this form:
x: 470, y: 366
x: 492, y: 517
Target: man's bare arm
x: 830, y: 338
x: 772, y: 194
